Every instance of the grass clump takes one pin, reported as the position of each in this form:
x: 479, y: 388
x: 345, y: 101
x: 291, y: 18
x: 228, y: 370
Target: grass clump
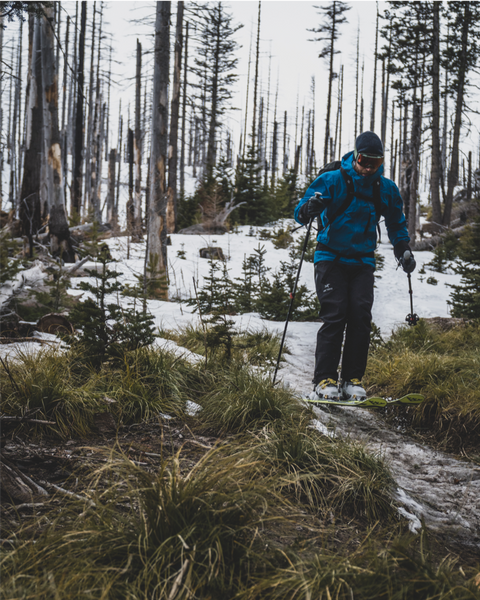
x: 444, y: 366
x: 43, y: 384
x: 243, y: 400
x: 330, y: 474
x: 172, y: 534
x: 403, y: 571
x: 56, y: 386
x: 146, y: 382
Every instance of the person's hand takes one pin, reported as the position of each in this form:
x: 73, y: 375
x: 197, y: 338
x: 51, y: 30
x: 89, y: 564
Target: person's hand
x: 407, y: 262
x: 314, y: 206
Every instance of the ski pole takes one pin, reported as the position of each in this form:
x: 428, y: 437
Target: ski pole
x: 292, y: 296
x: 412, y: 318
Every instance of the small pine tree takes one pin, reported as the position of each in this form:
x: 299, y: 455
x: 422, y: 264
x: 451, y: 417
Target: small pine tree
x: 444, y: 253
x: 217, y: 293
x: 107, y: 328
x: 245, y: 288
x: 465, y: 298
x: 286, y: 195
x: 249, y: 189
x: 57, y: 298
x: 275, y: 297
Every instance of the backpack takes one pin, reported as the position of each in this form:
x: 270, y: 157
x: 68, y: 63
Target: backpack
x: 336, y: 165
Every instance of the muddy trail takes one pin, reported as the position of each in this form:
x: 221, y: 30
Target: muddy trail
x: 433, y: 486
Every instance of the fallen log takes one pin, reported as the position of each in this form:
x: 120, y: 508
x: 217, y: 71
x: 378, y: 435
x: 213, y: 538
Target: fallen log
x: 26, y: 420
x: 7, y: 340
x: 17, y: 485
x: 432, y: 242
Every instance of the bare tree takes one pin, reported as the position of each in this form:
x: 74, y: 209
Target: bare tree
x: 157, y: 222
x: 78, y: 156
x: 175, y: 109
x: 328, y: 33
x: 60, y: 242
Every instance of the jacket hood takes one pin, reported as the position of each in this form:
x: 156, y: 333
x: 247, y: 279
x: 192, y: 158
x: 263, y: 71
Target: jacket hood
x: 347, y: 164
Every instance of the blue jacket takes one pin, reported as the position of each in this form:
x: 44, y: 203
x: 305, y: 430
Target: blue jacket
x: 354, y: 232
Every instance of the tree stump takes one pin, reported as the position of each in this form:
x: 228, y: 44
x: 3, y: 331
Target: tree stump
x: 55, y: 323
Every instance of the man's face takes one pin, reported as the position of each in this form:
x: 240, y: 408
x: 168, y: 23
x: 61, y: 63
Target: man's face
x: 364, y: 171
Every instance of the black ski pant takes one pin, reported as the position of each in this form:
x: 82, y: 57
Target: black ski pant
x: 345, y: 293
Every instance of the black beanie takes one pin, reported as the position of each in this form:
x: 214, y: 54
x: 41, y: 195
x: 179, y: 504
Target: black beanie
x: 368, y: 143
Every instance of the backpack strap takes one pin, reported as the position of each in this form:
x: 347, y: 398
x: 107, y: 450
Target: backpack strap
x: 375, y: 198
x: 349, y: 197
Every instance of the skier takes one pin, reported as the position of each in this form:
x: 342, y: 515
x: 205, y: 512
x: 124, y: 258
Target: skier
x: 348, y: 205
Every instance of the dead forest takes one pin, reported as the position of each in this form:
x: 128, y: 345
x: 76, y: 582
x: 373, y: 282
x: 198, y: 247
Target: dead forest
x: 73, y: 151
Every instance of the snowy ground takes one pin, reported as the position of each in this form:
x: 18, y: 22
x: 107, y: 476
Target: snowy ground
x: 432, y: 486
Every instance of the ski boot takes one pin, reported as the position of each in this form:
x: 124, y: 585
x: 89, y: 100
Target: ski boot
x: 327, y: 389
x: 352, y: 390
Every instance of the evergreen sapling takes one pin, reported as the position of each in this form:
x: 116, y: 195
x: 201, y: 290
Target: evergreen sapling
x: 106, y: 327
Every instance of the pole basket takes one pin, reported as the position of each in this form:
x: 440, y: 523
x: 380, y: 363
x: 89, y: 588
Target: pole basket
x: 412, y: 319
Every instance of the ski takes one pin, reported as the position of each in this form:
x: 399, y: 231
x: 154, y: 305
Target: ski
x: 373, y: 402
x: 366, y: 403
x: 409, y: 399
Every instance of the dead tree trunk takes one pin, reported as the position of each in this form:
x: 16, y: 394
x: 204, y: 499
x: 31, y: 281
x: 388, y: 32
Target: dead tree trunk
x: 64, y: 99
x: 1, y: 111
x: 137, y: 149
x: 88, y: 167
x: 374, y: 94
x: 78, y: 156
x: 157, y: 223
x: 435, y: 169
x: 173, y: 150
x: 30, y: 210
x: 184, y: 115
x: 453, y: 171
x: 111, y: 214
x: 130, y: 203
x: 415, y: 155
x: 255, y: 85
x: 60, y: 243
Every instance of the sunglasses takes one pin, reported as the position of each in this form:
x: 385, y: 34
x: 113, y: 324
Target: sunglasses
x: 369, y: 161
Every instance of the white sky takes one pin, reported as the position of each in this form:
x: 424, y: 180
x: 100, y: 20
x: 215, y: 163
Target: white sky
x: 285, y: 51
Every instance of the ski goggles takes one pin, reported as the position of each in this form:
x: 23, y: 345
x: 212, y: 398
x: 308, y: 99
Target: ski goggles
x: 367, y: 161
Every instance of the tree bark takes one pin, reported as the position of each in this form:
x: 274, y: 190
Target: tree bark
x: 329, y: 93
x: 255, y: 85
x: 137, y: 148
x: 453, y: 172
x: 157, y: 223
x: 414, y: 155
x: 111, y: 213
x: 30, y: 210
x: 60, y: 243
x: 184, y: 116
x: 435, y: 169
x: 175, y: 110
x: 1, y: 111
x: 78, y: 156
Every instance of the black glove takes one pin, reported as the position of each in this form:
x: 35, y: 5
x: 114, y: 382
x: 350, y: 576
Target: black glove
x: 312, y: 208
x: 407, y: 262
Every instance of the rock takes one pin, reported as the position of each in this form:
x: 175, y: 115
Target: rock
x: 9, y: 324
x: 214, y: 253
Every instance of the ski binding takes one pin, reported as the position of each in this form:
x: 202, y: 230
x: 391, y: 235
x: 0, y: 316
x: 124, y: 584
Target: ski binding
x: 365, y: 403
